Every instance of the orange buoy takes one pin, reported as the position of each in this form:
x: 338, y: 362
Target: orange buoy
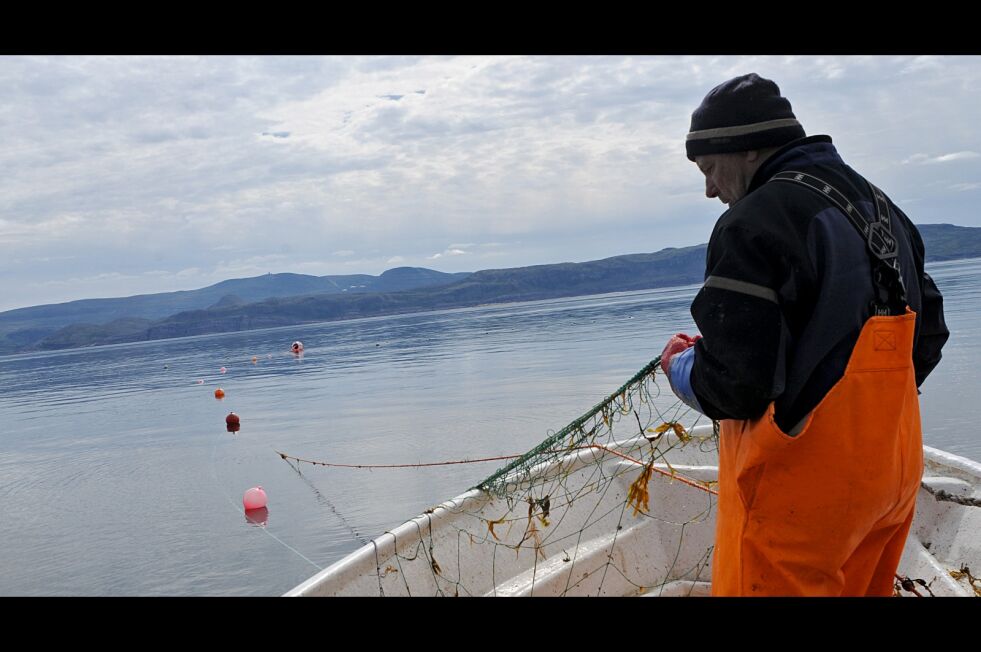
x: 219, y: 393
x: 254, y: 359
x: 232, y: 422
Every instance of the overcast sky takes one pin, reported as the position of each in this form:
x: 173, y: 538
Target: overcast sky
x: 128, y: 175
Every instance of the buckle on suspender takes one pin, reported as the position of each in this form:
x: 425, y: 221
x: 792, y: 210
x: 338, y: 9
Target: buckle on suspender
x: 881, y: 241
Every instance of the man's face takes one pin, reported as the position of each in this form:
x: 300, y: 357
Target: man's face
x: 727, y: 176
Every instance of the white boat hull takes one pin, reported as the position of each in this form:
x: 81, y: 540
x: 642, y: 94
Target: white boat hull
x: 599, y: 547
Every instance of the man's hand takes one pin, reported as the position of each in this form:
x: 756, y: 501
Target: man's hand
x: 676, y: 344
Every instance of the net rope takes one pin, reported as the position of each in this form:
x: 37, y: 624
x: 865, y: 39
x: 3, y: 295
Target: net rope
x: 618, y: 502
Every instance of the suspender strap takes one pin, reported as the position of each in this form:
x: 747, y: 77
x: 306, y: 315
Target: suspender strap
x: 887, y: 278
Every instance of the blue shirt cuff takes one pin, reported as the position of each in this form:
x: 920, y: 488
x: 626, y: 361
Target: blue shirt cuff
x: 680, y: 377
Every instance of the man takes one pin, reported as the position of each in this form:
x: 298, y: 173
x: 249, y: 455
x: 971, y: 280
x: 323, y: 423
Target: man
x: 818, y: 324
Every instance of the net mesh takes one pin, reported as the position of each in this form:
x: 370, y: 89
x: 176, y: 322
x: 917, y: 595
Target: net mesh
x: 618, y: 502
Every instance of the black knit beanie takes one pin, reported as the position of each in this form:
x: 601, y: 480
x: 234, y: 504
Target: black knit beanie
x: 742, y: 114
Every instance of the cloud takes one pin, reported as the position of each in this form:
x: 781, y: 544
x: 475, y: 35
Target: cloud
x: 923, y: 159
x: 957, y: 156
x: 395, y: 260
x: 344, y: 253
x: 964, y: 187
x: 451, y: 251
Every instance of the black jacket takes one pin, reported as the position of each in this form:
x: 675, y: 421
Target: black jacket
x: 788, y: 287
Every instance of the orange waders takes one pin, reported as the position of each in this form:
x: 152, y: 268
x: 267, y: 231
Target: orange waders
x: 826, y: 513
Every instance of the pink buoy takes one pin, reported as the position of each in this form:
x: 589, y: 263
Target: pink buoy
x: 200, y: 381
x: 222, y: 370
x: 254, y: 498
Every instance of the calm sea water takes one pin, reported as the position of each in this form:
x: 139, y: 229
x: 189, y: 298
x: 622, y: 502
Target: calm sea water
x: 117, y: 476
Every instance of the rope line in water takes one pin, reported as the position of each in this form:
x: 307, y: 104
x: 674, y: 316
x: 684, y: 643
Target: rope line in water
x: 395, y: 466
x: 692, y: 483
x: 323, y: 499
x: 264, y: 528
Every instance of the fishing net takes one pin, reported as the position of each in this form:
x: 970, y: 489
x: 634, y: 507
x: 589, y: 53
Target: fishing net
x: 619, y: 502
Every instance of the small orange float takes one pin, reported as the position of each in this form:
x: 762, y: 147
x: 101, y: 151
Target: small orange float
x: 219, y: 393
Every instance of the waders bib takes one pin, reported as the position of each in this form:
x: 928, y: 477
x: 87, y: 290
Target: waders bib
x: 827, y: 512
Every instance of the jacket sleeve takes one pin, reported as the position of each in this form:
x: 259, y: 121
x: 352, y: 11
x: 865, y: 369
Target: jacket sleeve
x: 740, y: 363
x: 932, y: 332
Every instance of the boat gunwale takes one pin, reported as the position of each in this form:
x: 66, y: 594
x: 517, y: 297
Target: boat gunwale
x: 387, y: 542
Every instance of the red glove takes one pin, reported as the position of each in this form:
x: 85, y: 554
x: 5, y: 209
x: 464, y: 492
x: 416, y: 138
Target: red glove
x: 676, y: 344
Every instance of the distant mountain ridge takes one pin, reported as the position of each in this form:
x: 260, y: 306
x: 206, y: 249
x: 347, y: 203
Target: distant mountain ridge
x: 23, y: 328
x: 229, y: 306
x: 950, y: 242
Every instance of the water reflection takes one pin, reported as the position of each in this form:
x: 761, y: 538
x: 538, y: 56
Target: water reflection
x: 258, y: 517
